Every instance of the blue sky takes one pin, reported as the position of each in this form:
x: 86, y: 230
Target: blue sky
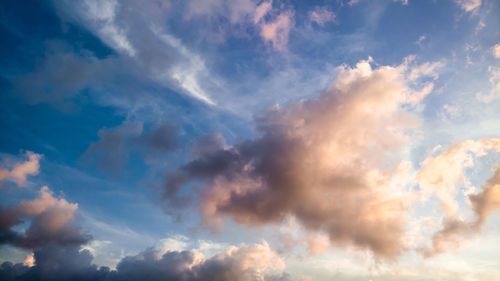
x: 336, y: 140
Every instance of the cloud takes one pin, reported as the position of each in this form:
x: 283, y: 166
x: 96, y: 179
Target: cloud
x: 277, y: 29
x: 442, y: 175
x: 244, y: 263
x: 51, y: 222
x: 449, y: 112
x: 313, y: 160
x: 494, y: 93
x: 102, y: 14
x: 352, y: 2
x: 20, y: 171
x: 60, y: 251
x: 60, y: 76
x: 321, y: 15
x: 273, y: 24
x: 496, y: 51
x: 236, y: 11
x: 112, y: 150
x: 141, y: 54
x: 469, y: 5
x: 262, y: 10
x: 421, y: 40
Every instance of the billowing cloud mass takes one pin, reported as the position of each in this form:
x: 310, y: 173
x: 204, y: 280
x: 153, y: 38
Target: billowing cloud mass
x: 59, y: 251
x: 442, y: 176
x: 257, y: 262
x: 20, y: 171
x: 51, y: 222
x: 335, y: 162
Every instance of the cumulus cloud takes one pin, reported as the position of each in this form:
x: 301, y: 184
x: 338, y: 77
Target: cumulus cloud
x: 51, y: 221
x: 20, y: 171
x: 244, y: 263
x: 60, y: 76
x: 60, y: 251
x: 442, y: 175
x: 321, y: 15
x: 496, y: 51
x: 335, y: 162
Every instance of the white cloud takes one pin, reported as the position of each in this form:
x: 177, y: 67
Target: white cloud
x: 102, y: 14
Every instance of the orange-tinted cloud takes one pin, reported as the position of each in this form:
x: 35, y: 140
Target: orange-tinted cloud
x: 335, y: 162
x: 21, y: 171
x: 51, y: 222
x: 442, y: 175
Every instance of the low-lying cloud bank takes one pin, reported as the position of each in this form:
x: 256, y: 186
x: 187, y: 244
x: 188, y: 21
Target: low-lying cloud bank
x: 57, y: 243
x: 442, y: 175
x: 246, y: 263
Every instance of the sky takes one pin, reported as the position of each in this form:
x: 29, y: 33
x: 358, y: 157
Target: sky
x: 201, y: 140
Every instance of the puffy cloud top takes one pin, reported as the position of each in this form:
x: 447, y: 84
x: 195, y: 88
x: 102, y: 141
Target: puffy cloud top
x: 21, y: 171
x: 335, y: 162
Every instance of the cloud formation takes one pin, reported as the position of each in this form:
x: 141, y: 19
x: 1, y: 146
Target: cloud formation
x: 496, y: 51
x: 60, y: 252
x: 442, y: 175
x: 112, y: 150
x: 321, y: 15
x: 469, y: 5
x: 277, y: 29
x: 20, y: 171
x: 494, y: 93
x: 244, y: 263
x: 138, y: 50
x: 51, y: 222
x: 335, y: 162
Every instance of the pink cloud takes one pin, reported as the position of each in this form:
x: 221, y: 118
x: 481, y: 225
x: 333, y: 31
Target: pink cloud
x: 321, y: 15
x: 21, y: 171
